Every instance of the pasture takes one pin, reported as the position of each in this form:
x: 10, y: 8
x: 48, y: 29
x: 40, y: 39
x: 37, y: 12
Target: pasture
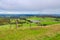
x: 47, y: 29
x: 51, y: 32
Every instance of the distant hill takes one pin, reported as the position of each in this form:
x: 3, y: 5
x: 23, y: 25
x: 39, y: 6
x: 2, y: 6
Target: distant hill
x: 18, y: 15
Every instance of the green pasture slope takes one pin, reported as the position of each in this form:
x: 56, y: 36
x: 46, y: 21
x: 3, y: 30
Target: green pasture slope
x: 46, y: 20
x: 38, y: 33
x: 49, y: 32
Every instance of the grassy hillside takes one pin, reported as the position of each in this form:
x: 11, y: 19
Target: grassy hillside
x: 51, y: 32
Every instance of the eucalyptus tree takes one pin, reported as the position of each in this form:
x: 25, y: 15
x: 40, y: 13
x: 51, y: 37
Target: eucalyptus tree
x: 30, y: 22
x: 16, y: 23
x: 8, y: 20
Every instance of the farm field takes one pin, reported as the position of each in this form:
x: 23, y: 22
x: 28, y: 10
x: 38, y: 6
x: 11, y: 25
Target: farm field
x: 51, y: 32
x: 48, y: 28
x: 24, y: 23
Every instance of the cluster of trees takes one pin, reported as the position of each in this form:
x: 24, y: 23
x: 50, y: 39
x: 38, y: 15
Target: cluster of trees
x: 21, y: 21
x: 4, y: 21
x: 17, y: 21
x: 57, y: 19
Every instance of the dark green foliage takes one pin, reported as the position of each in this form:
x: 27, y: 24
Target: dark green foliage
x: 57, y: 19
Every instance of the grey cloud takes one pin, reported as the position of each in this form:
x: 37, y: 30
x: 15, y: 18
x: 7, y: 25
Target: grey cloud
x: 43, y: 6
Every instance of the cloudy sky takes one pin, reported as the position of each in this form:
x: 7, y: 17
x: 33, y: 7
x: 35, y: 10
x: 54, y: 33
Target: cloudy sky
x: 30, y: 6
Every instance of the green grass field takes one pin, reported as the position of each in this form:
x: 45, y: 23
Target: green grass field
x: 49, y: 32
x: 46, y: 20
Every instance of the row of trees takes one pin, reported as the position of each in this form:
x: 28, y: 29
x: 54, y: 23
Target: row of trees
x: 18, y: 21
x: 4, y: 21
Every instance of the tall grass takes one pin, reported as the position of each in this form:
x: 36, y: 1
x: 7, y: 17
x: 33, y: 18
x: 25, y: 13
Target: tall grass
x: 39, y: 33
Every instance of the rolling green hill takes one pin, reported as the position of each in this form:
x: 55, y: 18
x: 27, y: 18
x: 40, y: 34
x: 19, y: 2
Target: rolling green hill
x: 51, y: 32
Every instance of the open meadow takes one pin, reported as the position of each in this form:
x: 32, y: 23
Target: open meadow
x: 30, y: 28
x: 51, y: 32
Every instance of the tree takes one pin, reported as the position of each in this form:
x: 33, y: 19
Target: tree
x: 16, y: 23
x: 29, y: 22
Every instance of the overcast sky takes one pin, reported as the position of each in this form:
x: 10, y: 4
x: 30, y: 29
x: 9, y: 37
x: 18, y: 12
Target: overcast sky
x: 30, y: 6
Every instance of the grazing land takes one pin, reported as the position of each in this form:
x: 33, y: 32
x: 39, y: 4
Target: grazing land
x: 51, y: 32
x: 30, y: 28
